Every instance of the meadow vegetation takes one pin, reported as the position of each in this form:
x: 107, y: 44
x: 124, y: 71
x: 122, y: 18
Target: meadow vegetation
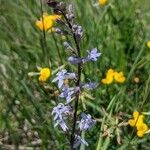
x: 120, y: 29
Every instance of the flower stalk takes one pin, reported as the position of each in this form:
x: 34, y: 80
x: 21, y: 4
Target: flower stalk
x: 44, y: 40
x: 44, y: 44
x: 72, y: 94
x: 77, y: 83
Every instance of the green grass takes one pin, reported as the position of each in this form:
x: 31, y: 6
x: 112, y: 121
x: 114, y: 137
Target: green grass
x: 119, y: 30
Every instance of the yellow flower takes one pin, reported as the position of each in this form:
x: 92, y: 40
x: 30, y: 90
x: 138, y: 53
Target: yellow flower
x: 137, y: 119
x: 45, y: 73
x: 135, y: 114
x: 109, y: 77
x: 47, y: 21
x: 110, y: 72
x: 141, y: 129
x: 112, y: 75
x: 138, y: 122
x: 45, y: 24
x: 55, y: 17
x: 107, y: 80
x: 102, y: 2
x: 148, y: 44
x: 140, y: 133
x: 119, y: 77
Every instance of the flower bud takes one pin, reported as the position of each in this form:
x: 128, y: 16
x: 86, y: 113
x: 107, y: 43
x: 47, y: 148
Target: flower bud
x: 52, y: 3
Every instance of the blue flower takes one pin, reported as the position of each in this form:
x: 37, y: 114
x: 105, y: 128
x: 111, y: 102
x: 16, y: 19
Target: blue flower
x: 74, y: 60
x: 59, y: 112
x: 62, y: 125
x: 60, y: 78
x: 61, y: 75
x: 70, y: 76
x: 78, y: 141
x: 93, y: 55
x: 86, y: 122
x: 67, y: 93
x: 89, y: 86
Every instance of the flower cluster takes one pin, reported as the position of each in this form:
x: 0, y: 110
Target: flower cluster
x: 112, y: 75
x: 67, y: 111
x: 61, y: 111
x: 138, y: 122
x: 47, y: 22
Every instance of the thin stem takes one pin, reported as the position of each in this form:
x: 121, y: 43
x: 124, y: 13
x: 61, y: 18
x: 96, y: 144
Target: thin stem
x: 76, y: 108
x: 58, y: 51
x: 44, y: 43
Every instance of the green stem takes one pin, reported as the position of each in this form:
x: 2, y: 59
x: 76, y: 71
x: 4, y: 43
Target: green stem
x: 44, y: 43
x: 57, y: 48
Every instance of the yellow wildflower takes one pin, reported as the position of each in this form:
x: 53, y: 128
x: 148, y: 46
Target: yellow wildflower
x: 119, y: 77
x: 137, y: 119
x: 110, y: 72
x: 107, y: 80
x: 55, y: 17
x: 148, y: 44
x: 47, y: 21
x: 141, y: 129
x: 138, y: 122
x: 135, y: 114
x: 102, y: 2
x: 112, y: 75
x: 109, y: 77
x: 45, y: 73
